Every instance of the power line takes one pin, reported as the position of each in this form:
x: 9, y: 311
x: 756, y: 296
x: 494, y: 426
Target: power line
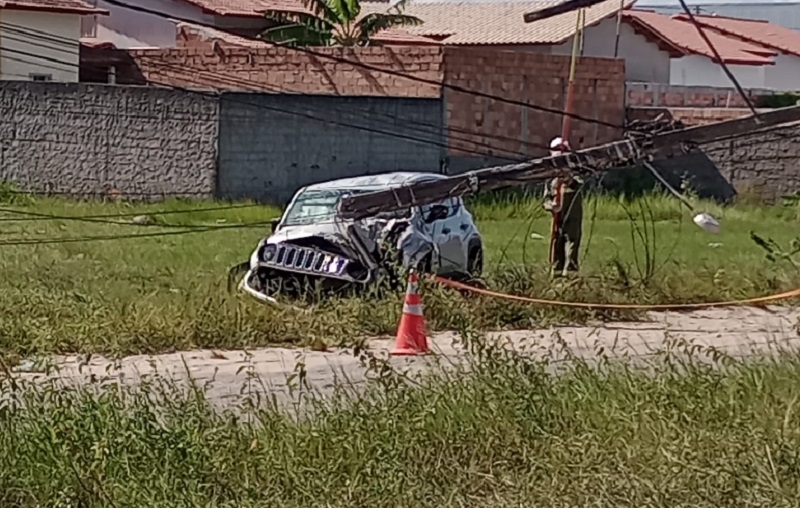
x: 4, y: 56
x: 100, y: 238
x: 100, y: 220
x: 43, y: 217
x: 355, y: 63
x: 39, y: 34
x: 312, y: 117
x: 438, y: 128
x: 719, y: 58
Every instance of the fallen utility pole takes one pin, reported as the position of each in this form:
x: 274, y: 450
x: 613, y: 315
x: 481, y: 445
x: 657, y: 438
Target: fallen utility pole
x: 592, y: 160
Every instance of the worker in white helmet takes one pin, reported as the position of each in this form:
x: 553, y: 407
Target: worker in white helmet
x: 564, y: 201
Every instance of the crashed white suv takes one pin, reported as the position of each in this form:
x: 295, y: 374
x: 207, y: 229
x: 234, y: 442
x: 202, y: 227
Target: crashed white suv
x: 312, y: 248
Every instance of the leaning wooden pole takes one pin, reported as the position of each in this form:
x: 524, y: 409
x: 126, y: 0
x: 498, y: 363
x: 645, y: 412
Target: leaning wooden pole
x: 601, y: 158
x: 566, y: 125
x: 566, y: 129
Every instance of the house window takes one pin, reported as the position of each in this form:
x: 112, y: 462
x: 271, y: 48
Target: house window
x: 89, y: 23
x: 89, y: 27
x: 41, y: 77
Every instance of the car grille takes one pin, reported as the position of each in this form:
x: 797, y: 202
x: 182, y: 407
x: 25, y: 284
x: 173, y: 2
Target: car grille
x: 304, y: 259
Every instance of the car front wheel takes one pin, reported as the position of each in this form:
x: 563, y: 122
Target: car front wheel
x: 475, y: 262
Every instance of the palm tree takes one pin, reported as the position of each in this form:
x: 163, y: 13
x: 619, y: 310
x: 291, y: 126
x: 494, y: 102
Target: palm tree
x: 333, y: 23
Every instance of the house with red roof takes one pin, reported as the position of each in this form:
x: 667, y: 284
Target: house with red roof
x: 188, y: 23
x: 785, y: 42
x: 40, y: 39
x: 759, y: 54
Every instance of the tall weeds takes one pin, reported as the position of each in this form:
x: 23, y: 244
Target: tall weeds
x: 685, y: 427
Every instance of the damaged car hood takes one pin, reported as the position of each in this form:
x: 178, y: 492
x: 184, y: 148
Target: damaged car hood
x: 332, y: 231
x: 413, y: 242
x: 336, y: 232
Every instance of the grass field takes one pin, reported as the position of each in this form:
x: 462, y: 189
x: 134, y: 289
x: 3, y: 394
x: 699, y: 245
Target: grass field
x: 507, y: 434
x: 506, y: 431
x: 164, y: 293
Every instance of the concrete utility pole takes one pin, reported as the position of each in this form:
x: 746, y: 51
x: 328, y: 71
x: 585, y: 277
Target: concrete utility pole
x: 598, y: 159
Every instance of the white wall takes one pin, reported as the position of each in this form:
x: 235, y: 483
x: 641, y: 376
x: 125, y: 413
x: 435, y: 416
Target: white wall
x: 128, y: 29
x: 40, y: 43
x: 701, y: 71
x: 785, y: 74
x: 644, y: 61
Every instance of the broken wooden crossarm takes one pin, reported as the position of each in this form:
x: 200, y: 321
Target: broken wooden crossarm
x: 664, y: 144
x: 599, y: 159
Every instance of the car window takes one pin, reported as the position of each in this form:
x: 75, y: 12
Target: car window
x: 451, y: 204
x: 312, y: 206
x: 315, y: 206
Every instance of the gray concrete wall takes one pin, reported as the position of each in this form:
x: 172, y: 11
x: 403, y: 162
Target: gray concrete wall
x: 763, y: 165
x: 271, y: 145
x: 98, y: 139
x: 149, y: 142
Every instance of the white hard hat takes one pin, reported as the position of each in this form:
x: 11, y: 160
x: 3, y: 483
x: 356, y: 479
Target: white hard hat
x: 556, y: 143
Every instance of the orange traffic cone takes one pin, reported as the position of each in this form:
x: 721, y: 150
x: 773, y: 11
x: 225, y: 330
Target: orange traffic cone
x: 412, y: 336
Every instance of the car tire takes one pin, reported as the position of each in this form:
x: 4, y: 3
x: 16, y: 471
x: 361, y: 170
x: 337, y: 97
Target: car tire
x: 475, y: 262
x: 425, y: 266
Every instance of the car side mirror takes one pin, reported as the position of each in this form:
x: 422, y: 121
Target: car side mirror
x: 274, y: 224
x: 437, y: 212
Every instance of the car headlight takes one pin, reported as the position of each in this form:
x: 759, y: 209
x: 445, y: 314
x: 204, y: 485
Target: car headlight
x: 268, y: 253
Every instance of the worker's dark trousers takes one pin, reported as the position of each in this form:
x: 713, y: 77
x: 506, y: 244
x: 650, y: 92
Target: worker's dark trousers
x: 567, y: 249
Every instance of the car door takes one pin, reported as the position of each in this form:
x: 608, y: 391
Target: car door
x: 446, y: 234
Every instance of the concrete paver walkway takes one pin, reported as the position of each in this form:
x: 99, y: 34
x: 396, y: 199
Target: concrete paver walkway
x: 231, y: 375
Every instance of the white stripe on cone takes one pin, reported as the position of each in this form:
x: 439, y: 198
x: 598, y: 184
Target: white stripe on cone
x: 413, y: 310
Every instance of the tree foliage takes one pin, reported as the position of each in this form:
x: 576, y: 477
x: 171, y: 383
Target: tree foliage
x: 334, y: 23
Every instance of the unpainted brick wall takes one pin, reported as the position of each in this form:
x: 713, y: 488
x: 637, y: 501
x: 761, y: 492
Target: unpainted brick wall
x: 663, y: 95
x: 514, y: 131
x: 271, y: 145
x: 291, y: 71
x: 689, y: 116
x: 98, y: 139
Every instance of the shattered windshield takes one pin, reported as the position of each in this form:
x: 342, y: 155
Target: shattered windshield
x: 312, y: 207
x: 316, y: 206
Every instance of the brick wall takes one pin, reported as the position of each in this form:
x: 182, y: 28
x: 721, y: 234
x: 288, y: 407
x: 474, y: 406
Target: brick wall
x: 689, y: 116
x: 662, y: 95
x: 535, y: 79
x: 96, y: 139
x: 290, y: 71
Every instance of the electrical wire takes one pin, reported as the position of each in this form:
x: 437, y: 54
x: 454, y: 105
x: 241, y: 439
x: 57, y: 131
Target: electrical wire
x: 328, y: 120
x: 43, y: 217
x: 436, y: 128
x: 98, y: 220
x: 356, y: 63
x: 238, y: 81
x: 48, y: 241
x: 719, y: 58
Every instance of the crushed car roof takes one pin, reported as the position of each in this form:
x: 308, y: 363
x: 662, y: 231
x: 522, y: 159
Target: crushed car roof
x: 377, y: 181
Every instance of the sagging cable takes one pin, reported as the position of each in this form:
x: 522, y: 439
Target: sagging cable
x: 703, y: 220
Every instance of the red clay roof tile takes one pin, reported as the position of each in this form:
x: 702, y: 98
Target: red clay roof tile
x: 682, y: 37
x: 62, y: 6
x: 757, y: 31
